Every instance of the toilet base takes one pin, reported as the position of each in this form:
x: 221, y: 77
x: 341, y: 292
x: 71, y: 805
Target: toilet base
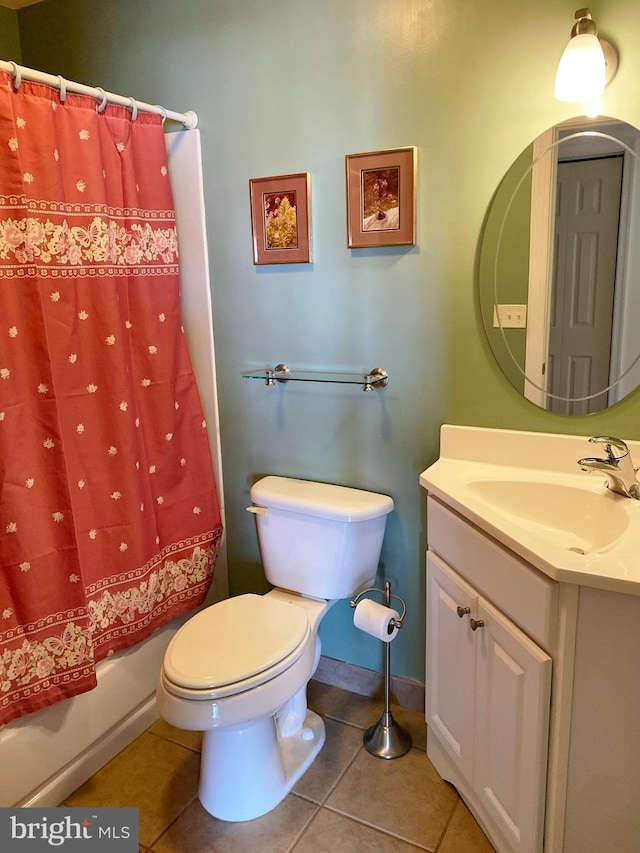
x: 246, y: 771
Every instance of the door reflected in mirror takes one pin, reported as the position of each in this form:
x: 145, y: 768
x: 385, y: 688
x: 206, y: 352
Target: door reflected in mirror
x: 560, y: 256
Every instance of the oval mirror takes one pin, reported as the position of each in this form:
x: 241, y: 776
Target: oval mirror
x: 559, y: 272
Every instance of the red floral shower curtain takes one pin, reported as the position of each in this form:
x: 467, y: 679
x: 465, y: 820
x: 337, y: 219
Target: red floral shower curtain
x: 109, y: 519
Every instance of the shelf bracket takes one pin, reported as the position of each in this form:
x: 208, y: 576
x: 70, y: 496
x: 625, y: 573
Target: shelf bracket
x: 376, y: 379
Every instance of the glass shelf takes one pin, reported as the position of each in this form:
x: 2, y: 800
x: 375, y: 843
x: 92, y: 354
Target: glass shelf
x: 281, y: 373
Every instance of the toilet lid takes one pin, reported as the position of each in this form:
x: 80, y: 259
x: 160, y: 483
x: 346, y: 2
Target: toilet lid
x: 233, y: 640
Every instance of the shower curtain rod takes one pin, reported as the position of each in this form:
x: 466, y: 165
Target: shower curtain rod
x: 20, y: 73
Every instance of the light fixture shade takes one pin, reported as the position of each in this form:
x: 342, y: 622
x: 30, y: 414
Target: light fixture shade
x: 581, y: 72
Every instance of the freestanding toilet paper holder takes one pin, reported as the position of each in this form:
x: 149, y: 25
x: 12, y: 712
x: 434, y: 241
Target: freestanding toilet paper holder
x: 386, y: 739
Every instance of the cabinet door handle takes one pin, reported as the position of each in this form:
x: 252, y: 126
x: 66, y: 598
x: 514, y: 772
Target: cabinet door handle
x: 462, y: 611
x: 476, y: 623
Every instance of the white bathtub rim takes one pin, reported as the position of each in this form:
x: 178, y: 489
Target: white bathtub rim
x: 69, y: 778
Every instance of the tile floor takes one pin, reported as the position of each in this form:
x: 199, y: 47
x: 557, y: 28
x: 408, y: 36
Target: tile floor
x: 348, y: 800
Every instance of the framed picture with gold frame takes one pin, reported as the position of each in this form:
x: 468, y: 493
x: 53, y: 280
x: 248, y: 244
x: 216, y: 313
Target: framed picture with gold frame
x: 381, y: 198
x: 281, y: 219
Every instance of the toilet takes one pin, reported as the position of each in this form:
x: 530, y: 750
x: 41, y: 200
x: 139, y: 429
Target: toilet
x: 238, y: 670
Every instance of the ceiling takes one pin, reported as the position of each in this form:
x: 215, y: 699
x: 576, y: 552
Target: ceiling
x: 18, y: 4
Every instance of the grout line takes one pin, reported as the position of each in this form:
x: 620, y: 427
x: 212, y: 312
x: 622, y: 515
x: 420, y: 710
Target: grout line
x: 329, y: 716
x: 306, y: 826
x: 381, y: 829
x: 342, y: 775
x: 447, y: 824
x: 351, y: 817
x: 171, y: 823
x: 174, y: 741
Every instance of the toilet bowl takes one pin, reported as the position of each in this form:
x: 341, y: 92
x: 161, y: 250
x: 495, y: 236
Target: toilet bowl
x: 238, y: 670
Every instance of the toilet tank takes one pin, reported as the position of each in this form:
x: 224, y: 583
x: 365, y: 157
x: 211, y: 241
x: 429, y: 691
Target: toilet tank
x: 318, y: 539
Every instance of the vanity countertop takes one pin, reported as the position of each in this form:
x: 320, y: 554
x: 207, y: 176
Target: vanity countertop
x: 526, y: 490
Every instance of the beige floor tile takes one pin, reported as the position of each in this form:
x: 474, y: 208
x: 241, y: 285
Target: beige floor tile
x: 413, y: 722
x: 196, y: 831
x: 463, y: 834
x: 158, y: 777
x: 329, y: 831
x: 192, y: 740
x: 403, y: 801
x: 403, y: 796
x: 363, y: 711
x: 340, y: 748
x: 339, y: 704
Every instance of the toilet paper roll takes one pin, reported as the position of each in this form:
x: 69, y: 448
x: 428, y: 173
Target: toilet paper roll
x: 376, y: 619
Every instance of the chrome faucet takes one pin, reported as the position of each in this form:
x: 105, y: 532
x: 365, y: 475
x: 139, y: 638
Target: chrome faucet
x: 617, y: 467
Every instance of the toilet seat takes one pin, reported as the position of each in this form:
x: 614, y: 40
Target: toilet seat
x: 234, y: 645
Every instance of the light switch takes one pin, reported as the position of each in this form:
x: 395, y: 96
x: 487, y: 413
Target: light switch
x: 511, y: 316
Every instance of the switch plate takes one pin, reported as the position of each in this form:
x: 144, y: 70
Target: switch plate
x: 511, y: 316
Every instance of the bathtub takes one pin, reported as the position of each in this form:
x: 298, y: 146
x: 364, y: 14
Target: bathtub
x: 53, y: 751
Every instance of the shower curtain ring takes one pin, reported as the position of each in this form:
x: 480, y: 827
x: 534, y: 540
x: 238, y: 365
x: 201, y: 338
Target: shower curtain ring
x: 163, y: 112
x: 134, y: 108
x: 17, y: 75
x: 103, y: 103
x: 63, y: 88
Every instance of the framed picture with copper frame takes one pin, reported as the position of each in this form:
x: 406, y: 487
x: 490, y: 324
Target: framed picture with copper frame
x: 381, y: 198
x: 281, y: 219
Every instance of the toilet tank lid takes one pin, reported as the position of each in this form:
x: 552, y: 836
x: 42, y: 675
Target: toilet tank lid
x: 322, y: 500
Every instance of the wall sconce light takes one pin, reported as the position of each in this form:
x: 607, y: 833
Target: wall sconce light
x: 588, y: 63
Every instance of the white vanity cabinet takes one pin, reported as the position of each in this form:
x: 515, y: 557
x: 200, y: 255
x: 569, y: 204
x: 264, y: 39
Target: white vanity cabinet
x: 535, y: 715
x: 488, y: 683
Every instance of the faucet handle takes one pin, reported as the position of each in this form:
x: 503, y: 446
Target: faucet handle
x: 610, y: 442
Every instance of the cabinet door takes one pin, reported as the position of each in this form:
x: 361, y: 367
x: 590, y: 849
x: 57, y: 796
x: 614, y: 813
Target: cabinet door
x: 513, y: 687
x: 450, y: 662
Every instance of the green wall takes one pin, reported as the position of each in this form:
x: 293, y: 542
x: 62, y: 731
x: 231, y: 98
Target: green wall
x: 9, y: 36
x: 292, y: 86
x: 503, y: 269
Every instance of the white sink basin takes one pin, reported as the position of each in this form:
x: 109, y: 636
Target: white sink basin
x: 569, y: 516
x: 527, y: 491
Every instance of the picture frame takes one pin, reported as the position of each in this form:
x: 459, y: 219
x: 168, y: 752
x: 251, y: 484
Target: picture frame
x: 281, y: 219
x: 381, y: 198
